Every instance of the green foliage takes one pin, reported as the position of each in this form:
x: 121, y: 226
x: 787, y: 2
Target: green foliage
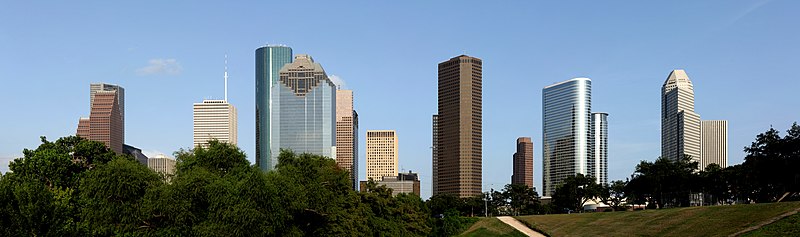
x: 575, y: 191
x: 664, y: 183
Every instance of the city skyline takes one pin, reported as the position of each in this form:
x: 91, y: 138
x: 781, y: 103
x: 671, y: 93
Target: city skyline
x: 173, y: 58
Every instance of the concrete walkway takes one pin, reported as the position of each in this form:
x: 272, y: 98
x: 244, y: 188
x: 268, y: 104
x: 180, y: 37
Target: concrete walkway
x: 519, y: 226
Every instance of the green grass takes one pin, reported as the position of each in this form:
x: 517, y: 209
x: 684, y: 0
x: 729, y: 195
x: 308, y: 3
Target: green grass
x: 490, y: 227
x: 690, y: 221
x: 789, y: 226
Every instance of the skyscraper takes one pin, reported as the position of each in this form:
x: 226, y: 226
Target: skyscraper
x: 680, y: 125
x: 162, y: 165
x: 382, y: 154
x: 347, y: 134
x: 523, y: 162
x: 459, y: 127
x: 434, y: 158
x: 566, y: 117
x: 714, y: 143
x: 269, y: 61
x: 598, y: 164
x: 106, y: 122
x: 304, y: 109
x: 215, y: 119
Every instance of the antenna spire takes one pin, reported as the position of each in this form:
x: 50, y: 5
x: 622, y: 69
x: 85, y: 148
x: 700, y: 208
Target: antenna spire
x: 226, y: 77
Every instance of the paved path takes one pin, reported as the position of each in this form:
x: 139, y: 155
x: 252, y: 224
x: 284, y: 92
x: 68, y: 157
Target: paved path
x: 767, y: 222
x: 519, y: 226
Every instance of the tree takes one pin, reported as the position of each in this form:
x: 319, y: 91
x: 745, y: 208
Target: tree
x: 522, y: 199
x: 575, y: 191
x: 616, y: 194
x: 665, y: 182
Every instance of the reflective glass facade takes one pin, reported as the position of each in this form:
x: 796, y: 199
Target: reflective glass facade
x: 598, y: 162
x: 304, y: 110
x: 566, y: 117
x: 269, y: 61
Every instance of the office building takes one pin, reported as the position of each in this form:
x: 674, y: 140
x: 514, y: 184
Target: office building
x: 382, y: 154
x: 402, y: 183
x: 136, y: 153
x: 106, y: 122
x: 303, y: 110
x: 680, y: 125
x: 162, y: 165
x: 215, y: 119
x: 347, y: 134
x: 434, y: 158
x: 598, y: 162
x: 269, y: 61
x: 459, y: 139
x: 566, y: 117
x: 523, y: 162
x: 714, y: 143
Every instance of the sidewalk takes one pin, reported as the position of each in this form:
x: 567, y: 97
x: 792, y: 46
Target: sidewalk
x: 519, y: 226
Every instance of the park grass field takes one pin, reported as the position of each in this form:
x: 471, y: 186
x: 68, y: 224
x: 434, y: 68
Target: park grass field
x: 491, y: 226
x: 689, y: 221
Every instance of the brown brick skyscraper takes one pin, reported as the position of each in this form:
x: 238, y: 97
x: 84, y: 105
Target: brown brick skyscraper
x: 459, y: 132
x: 523, y: 162
x: 106, y: 122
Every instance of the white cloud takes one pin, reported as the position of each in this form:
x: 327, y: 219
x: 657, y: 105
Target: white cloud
x: 338, y: 81
x: 160, y: 66
x: 4, y: 160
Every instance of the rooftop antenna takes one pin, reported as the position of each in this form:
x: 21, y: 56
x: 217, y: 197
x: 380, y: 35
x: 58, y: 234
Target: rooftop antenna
x: 226, y: 77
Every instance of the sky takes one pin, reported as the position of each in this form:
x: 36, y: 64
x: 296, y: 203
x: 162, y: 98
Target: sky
x: 741, y: 56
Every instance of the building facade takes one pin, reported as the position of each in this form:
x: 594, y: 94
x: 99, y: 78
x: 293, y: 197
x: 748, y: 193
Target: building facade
x: 566, y: 117
x: 382, y: 154
x: 459, y: 134
x: 434, y: 158
x: 598, y: 163
x: 215, y: 119
x: 714, y: 143
x: 303, y: 110
x: 402, y: 183
x: 523, y: 162
x: 680, y: 125
x: 106, y: 122
x: 347, y: 134
x: 269, y: 61
x: 162, y: 165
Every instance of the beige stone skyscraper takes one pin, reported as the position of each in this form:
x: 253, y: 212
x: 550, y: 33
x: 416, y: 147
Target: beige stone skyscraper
x: 347, y: 134
x: 680, y: 125
x: 382, y: 154
x: 714, y: 143
x: 106, y: 122
x: 214, y: 119
x: 459, y: 121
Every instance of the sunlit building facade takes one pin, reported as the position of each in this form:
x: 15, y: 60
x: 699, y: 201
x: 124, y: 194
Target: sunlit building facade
x: 269, y: 61
x: 566, y: 121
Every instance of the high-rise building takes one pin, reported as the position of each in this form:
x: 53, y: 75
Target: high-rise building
x: 136, y: 153
x: 347, y: 134
x: 215, y: 119
x: 566, y: 117
x: 523, y: 162
x: 303, y: 110
x: 106, y: 122
x: 269, y: 61
x: 680, y: 125
x: 434, y: 158
x: 459, y: 132
x: 402, y: 183
x: 714, y: 143
x: 162, y: 165
x: 598, y: 162
x: 382, y: 154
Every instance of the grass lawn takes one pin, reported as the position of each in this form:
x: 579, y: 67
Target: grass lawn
x: 491, y: 227
x: 689, y: 221
x: 789, y: 226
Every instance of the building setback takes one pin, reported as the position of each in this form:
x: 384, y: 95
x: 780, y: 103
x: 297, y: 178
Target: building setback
x: 269, y: 61
x: 598, y: 163
x: 459, y: 127
x: 106, y: 122
x: 382, y: 154
x: 714, y: 143
x: 303, y: 110
x: 680, y: 125
x: 214, y: 119
x: 566, y: 117
x: 347, y: 134
x: 523, y: 162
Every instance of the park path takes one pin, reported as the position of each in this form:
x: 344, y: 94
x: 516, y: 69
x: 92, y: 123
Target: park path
x: 519, y: 226
x: 767, y: 222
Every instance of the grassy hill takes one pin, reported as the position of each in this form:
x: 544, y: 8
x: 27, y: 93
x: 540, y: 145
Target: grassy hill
x: 491, y: 227
x: 690, y: 221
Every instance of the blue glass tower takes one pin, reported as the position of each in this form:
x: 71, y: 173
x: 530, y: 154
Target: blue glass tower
x: 269, y: 61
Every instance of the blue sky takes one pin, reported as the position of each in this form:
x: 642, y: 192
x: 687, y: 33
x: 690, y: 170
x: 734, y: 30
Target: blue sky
x: 740, y: 55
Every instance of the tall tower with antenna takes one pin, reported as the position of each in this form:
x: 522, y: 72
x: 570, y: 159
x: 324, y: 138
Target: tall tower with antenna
x: 216, y: 119
x: 226, y: 77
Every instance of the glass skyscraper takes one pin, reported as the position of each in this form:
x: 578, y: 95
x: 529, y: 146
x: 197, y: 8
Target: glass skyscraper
x: 598, y: 163
x: 566, y: 121
x: 304, y: 110
x: 269, y: 61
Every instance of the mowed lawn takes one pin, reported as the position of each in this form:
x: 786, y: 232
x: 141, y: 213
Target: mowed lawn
x: 491, y: 226
x: 688, y: 221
